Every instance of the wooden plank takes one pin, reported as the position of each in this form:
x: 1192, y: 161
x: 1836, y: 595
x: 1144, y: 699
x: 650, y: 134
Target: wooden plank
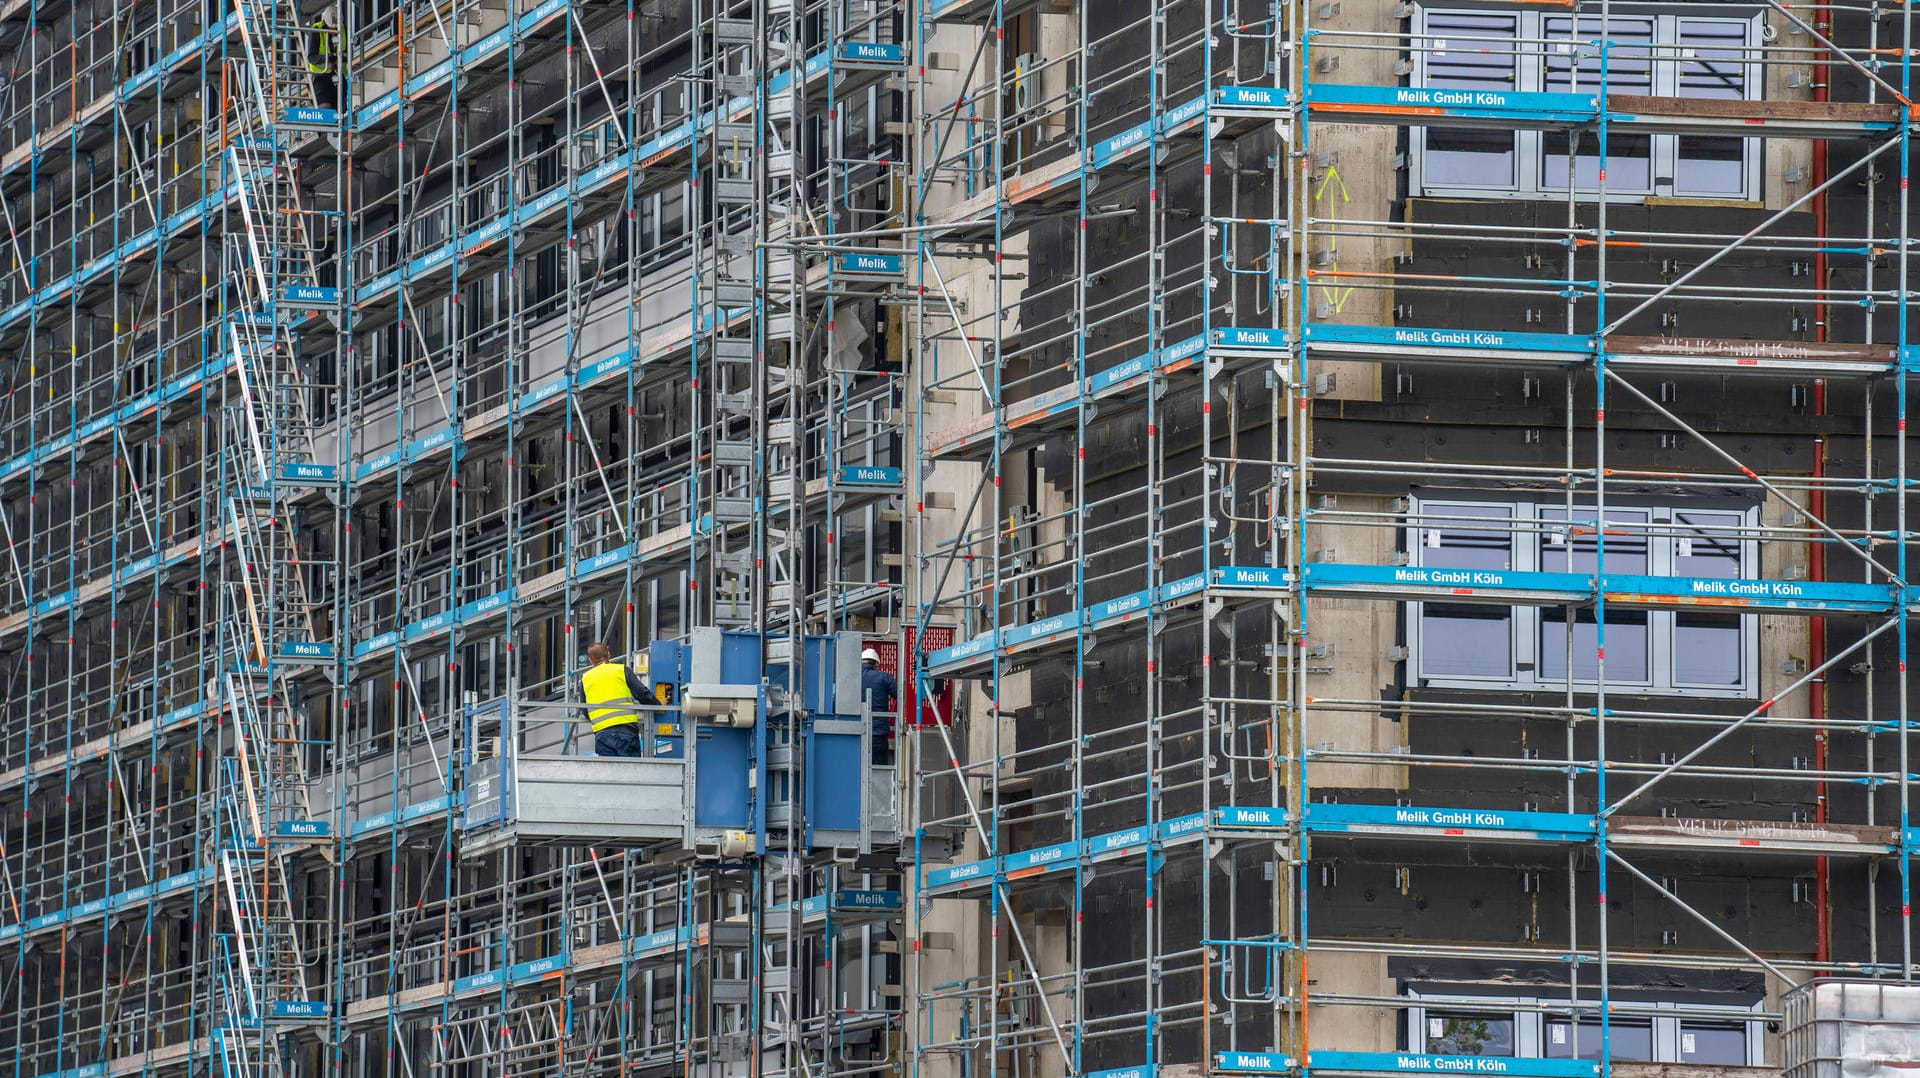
x: 1838, y: 112
x: 1691, y: 1070
x: 1020, y: 187
x: 1720, y: 348
x: 1760, y: 836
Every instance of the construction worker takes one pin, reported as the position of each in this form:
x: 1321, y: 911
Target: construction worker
x: 323, y: 50
x: 612, y: 693
x: 882, y: 694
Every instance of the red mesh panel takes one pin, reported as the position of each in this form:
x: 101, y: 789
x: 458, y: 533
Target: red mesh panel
x: 940, y: 709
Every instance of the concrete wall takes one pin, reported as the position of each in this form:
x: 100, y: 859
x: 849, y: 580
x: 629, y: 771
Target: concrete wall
x: 1359, y: 634
x: 1351, y: 1027
x: 958, y: 942
x: 1346, y: 182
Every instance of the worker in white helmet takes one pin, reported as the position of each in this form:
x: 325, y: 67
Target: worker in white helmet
x: 323, y: 57
x: 882, y: 693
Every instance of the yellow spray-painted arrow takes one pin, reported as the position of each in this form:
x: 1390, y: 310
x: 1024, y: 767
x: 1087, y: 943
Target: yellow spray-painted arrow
x: 1337, y: 297
x: 1332, y: 175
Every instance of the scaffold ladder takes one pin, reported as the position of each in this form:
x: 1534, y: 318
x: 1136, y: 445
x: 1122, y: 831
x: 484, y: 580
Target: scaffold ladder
x: 274, y: 264
x: 265, y: 790
x: 260, y: 984
x: 275, y: 597
x: 729, y: 411
x: 280, y: 45
x: 274, y: 256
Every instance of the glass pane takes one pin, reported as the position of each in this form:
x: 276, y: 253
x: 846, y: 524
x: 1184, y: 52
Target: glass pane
x: 1629, y: 161
x: 673, y: 214
x: 1572, y: 63
x: 1471, y: 52
x: 1711, y: 59
x: 1706, y: 648
x: 1706, y: 545
x: 1627, y: 637
x: 1627, y: 1039
x: 1466, y: 641
x: 1713, y: 1042
x: 1570, y: 546
x: 1714, y: 166
x: 1457, y: 640
x: 1469, y: 1034
x: 1453, y: 541
x: 1472, y: 158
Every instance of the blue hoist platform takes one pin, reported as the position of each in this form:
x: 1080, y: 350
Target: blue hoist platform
x: 736, y: 762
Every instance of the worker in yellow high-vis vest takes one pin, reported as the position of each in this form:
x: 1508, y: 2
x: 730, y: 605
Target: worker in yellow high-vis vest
x: 323, y: 52
x: 612, y: 693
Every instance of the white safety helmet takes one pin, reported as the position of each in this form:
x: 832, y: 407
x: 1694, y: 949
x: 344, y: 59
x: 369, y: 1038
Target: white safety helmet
x: 869, y: 656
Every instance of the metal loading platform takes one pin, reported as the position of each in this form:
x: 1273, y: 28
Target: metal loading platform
x: 734, y: 759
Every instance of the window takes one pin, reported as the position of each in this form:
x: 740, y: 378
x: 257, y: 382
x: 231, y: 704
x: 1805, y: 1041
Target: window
x: 663, y: 225
x: 1699, y: 651
x: 1570, y: 548
x: 1648, y: 55
x: 1628, y: 1039
x: 1528, y: 1027
x: 1462, y: 157
x: 1469, y: 640
x: 1469, y: 1034
x: 1713, y: 1042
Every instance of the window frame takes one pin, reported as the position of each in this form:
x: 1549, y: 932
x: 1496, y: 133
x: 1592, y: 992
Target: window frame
x: 1532, y: 1015
x: 1525, y: 624
x: 1530, y: 77
x: 1521, y: 1039
x: 1416, y: 624
x: 1583, y: 1022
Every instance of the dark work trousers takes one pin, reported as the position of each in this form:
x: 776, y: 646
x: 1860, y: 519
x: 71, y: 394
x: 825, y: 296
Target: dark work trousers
x: 621, y: 740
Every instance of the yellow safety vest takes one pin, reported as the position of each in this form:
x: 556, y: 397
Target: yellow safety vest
x: 607, y: 684
x: 322, y: 64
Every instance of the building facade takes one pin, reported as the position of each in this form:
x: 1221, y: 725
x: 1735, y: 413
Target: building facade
x: 1389, y: 520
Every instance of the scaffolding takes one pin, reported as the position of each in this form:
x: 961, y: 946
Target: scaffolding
x: 393, y: 352
x: 1297, y: 536
x: 1229, y: 664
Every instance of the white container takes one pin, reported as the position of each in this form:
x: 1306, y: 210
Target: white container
x: 1852, y: 1029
